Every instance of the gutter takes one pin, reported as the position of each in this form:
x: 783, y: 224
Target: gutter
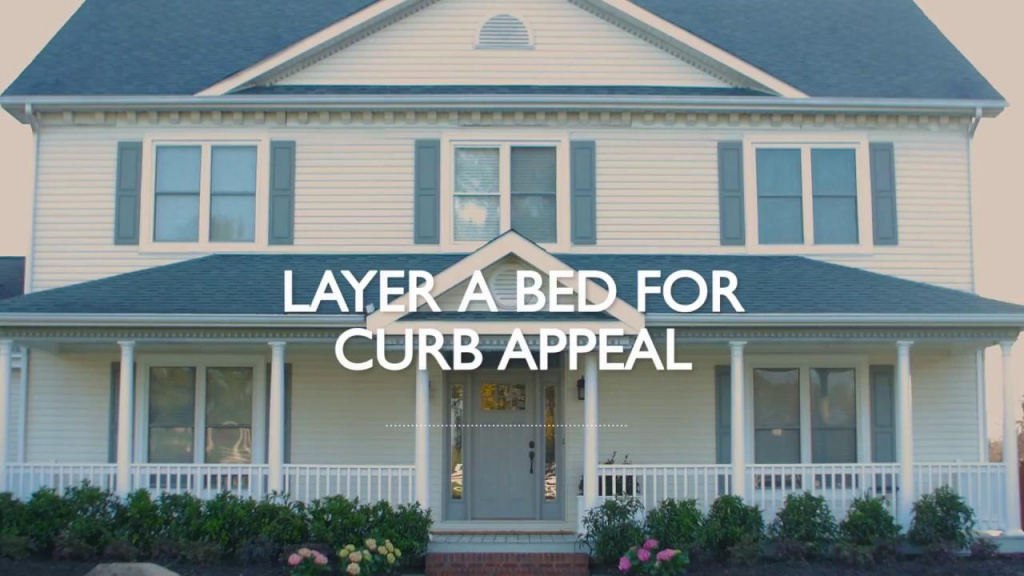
x: 18, y: 105
x: 652, y: 320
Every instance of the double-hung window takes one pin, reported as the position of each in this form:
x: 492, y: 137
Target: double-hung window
x: 808, y: 412
x: 809, y: 194
x: 501, y: 187
x: 206, y: 193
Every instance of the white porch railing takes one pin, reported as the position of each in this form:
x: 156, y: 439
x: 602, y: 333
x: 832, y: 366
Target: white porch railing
x: 655, y: 484
x: 23, y: 480
x: 395, y: 484
x: 202, y: 480
x: 769, y: 485
x: 981, y: 485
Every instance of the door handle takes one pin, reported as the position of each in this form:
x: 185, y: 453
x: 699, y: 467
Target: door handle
x: 532, y: 456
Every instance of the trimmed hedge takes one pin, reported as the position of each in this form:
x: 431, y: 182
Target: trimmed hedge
x: 86, y: 523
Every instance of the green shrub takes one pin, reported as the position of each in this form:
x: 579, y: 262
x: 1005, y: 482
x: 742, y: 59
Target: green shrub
x: 228, y: 522
x: 14, y: 544
x: 336, y: 521
x: 49, y: 514
x: 91, y: 526
x: 943, y: 523
x: 804, y: 528
x: 279, y: 523
x: 676, y: 524
x: 612, y: 528
x: 138, y: 527
x: 407, y: 527
x: 869, y: 533
x: 731, y: 527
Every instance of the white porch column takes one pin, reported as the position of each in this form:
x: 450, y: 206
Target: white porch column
x: 275, y: 435
x: 905, y: 445
x: 125, y: 417
x: 737, y: 430
x: 1011, y: 459
x: 590, y: 430
x: 422, y: 447
x: 6, y: 361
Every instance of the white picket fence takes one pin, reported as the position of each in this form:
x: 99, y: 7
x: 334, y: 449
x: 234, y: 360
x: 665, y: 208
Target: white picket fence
x: 655, y: 484
x: 23, y: 480
x: 395, y: 484
x: 203, y: 480
x: 839, y: 484
x: 981, y: 485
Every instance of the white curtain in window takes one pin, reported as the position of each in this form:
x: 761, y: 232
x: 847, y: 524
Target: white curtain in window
x: 477, y: 194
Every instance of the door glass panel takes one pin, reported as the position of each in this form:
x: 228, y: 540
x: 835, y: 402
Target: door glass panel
x: 455, y: 418
x: 502, y: 397
x: 550, y: 450
x: 172, y: 397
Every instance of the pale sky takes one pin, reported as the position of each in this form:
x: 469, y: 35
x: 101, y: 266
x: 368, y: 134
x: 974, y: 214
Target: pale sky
x: 987, y: 31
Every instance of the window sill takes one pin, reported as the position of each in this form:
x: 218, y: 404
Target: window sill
x: 201, y: 248
x: 811, y: 250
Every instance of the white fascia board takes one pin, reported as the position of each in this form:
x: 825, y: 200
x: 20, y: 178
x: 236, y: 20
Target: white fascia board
x: 648, y: 20
x: 836, y: 320
x: 367, y: 16
x: 182, y: 320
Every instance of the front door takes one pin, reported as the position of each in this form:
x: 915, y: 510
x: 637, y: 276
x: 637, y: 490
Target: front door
x: 506, y: 462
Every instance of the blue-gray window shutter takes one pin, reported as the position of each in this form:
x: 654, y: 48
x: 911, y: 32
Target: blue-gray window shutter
x: 128, y: 192
x: 583, y: 177
x: 883, y: 194
x: 427, y: 192
x: 282, y: 193
x: 732, y: 223
x: 115, y: 401
x: 723, y: 414
x: 287, y: 411
x: 883, y: 414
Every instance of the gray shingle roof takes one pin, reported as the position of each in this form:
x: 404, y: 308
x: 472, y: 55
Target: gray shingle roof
x: 12, y: 276
x: 847, y: 48
x: 252, y: 284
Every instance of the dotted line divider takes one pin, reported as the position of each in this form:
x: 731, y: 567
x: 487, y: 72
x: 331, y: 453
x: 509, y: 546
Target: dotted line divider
x: 506, y: 426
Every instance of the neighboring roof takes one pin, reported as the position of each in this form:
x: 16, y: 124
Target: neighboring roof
x: 825, y: 48
x: 12, y: 276
x: 338, y: 90
x: 252, y: 284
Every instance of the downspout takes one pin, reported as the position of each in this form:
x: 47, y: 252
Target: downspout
x: 978, y: 114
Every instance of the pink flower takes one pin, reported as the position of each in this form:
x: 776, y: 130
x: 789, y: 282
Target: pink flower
x: 305, y: 553
x: 651, y: 544
x: 294, y: 560
x: 625, y: 565
x: 643, y: 554
x: 667, y: 554
x: 319, y: 559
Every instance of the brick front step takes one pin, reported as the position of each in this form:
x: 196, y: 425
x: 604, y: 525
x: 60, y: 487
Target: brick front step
x: 507, y: 564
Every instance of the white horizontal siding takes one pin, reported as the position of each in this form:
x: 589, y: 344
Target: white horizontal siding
x: 657, y: 193
x: 437, y: 46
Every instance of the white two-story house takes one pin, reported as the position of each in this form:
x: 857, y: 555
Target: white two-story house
x: 188, y: 153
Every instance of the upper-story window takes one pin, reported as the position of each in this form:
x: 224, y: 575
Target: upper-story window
x: 809, y: 194
x: 500, y: 187
x: 206, y: 193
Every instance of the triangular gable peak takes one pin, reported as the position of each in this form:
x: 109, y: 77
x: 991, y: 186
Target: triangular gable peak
x: 512, y: 250
x: 518, y: 42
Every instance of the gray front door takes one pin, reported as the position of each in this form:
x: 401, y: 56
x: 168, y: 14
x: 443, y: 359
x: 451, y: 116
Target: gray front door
x: 506, y: 462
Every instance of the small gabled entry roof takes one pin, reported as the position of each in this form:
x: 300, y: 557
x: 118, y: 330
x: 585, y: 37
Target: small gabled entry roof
x: 235, y: 290
x: 824, y: 48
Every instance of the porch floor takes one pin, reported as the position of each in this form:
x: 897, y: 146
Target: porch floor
x: 504, y: 542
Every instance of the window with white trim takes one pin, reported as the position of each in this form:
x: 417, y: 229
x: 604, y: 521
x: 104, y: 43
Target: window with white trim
x: 806, y: 413
x: 809, y: 194
x: 207, y: 193
x: 500, y: 187
x: 202, y: 414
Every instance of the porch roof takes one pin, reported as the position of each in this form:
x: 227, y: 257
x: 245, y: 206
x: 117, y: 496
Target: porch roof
x: 251, y: 285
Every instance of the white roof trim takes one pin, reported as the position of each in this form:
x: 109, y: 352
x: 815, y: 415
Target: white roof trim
x: 384, y: 9
x: 698, y: 44
x: 366, y: 16
x: 506, y: 245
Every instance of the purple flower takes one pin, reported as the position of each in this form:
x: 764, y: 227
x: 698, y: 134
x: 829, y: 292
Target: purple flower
x: 651, y: 544
x: 643, y: 554
x: 625, y: 565
x: 667, y: 555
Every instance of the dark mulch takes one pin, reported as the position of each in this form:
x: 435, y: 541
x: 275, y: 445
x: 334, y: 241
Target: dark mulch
x: 46, y: 568
x: 996, y: 567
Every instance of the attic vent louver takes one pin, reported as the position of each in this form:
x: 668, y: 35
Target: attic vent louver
x: 505, y: 32
x: 502, y: 285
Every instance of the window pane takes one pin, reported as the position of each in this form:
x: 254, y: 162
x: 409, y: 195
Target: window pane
x: 777, y: 398
x: 477, y: 217
x: 234, y: 170
x: 535, y: 217
x: 780, y: 220
x: 229, y: 396
x: 177, y: 169
x: 229, y: 445
x: 534, y: 170
x: 835, y: 220
x: 455, y: 419
x: 777, y: 446
x: 834, y: 446
x: 170, y: 445
x: 834, y: 397
x: 780, y: 216
x: 233, y: 219
x: 476, y: 170
x: 779, y: 173
x: 550, y: 449
x: 172, y: 397
x: 177, y: 218
x: 835, y: 196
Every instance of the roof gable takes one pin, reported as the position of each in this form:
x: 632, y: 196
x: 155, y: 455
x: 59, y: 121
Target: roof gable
x: 438, y: 44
